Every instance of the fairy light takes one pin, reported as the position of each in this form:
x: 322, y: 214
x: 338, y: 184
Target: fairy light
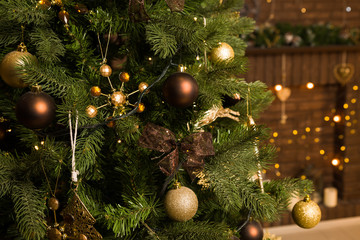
x: 352, y: 112
x: 271, y: 140
x: 337, y: 118
x: 333, y: 110
x: 348, y: 9
x: 36, y: 147
x: 275, y: 134
x: 335, y: 162
x: 322, y: 151
x: 352, y: 131
x: 290, y: 141
x: 309, y: 85
x: 264, y: 171
x: 150, y: 58
x: 8, y: 130
x: 307, y: 158
x: 341, y: 137
x: 268, y: 1
x: 303, y: 10
x: 119, y: 141
x: 278, y: 149
x: 342, y: 148
x: 278, y: 174
x: 353, y: 100
x: 346, y: 106
x: 316, y: 140
x: 195, y: 19
x: 341, y: 167
x: 278, y: 87
x: 303, y: 137
x: 327, y: 118
x: 317, y: 129
x: 346, y: 160
x: 355, y: 87
x: 295, y: 132
x: 347, y: 117
x: 307, y: 129
x: 197, y: 57
x: 302, y: 177
x: 277, y: 165
x: 42, y: 142
x: 348, y: 124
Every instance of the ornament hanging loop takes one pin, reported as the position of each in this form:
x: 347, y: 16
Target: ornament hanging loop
x: 73, y: 136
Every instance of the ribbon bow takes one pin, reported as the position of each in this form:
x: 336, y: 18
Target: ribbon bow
x: 196, y: 146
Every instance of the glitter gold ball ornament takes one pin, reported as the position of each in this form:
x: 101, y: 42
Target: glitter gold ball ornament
x: 306, y: 213
x: 35, y: 109
x: 105, y: 70
x: 44, y: 4
x: 252, y: 231
x: 64, y: 16
x: 53, y: 204
x: 180, y: 89
x: 124, y: 77
x: 223, y: 52
x: 118, y: 98
x: 95, y: 91
x: 11, y: 62
x: 91, y: 111
x: 141, y: 108
x: 54, y: 234
x: 181, y: 204
x: 143, y: 86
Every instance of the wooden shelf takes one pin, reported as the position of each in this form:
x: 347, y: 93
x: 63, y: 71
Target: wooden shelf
x: 251, y: 51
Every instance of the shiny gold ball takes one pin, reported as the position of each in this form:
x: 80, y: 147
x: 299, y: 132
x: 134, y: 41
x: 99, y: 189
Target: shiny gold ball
x: 95, y: 91
x: 118, y: 98
x: 8, y: 71
x: 181, y: 204
x: 54, y: 234
x: 143, y: 86
x: 44, y: 4
x: 224, y: 52
x: 91, y: 111
x: 64, y: 16
x: 124, y: 76
x: 105, y: 70
x: 306, y: 213
x: 141, y: 108
x: 82, y: 237
x: 53, y: 204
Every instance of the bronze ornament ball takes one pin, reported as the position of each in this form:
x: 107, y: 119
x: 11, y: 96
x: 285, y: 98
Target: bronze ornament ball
x: 8, y: 66
x: 91, y: 111
x: 180, y: 90
x: 143, y: 86
x: 53, y: 204
x: 118, y: 98
x: 54, y: 234
x: 252, y: 231
x: 140, y: 108
x: 105, y: 70
x: 124, y: 77
x: 35, y: 109
x: 306, y: 213
x: 181, y: 204
x: 95, y: 91
x: 223, y: 52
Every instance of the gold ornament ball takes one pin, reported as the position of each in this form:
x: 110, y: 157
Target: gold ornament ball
x: 306, y: 213
x: 118, y: 98
x: 53, y: 204
x: 124, y: 77
x: 95, y: 91
x: 91, y: 111
x: 181, y: 204
x: 105, y: 70
x: 44, y: 4
x: 64, y: 16
x: 141, y: 108
x: 224, y: 52
x: 54, y: 234
x: 143, y: 86
x: 82, y: 237
x: 8, y: 67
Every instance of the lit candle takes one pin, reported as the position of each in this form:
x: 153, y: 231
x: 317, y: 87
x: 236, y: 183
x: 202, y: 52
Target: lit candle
x: 330, y: 197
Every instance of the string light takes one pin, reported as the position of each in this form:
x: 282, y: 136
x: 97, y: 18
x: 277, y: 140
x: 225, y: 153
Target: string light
x: 8, y: 130
x: 275, y: 134
x: 348, y: 9
x: 341, y: 137
x: 277, y: 165
x: 278, y: 174
x: 317, y: 129
x: 119, y: 141
x: 268, y: 1
x: 355, y: 87
x: 42, y: 142
x: 278, y: 149
x: 271, y: 140
x: 316, y: 140
x: 307, y: 158
x: 36, y: 147
x: 278, y: 87
x: 352, y: 131
x: 309, y: 85
x: 303, y: 177
x: 346, y: 160
x: 353, y: 100
x: 303, y: 137
x: 341, y: 167
x: 335, y: 162
x: 303, y: 10
x: 295, y: 132
x: 327, y: 118
x: 347, y: 117
x: 337, y: 118
x: 307, y: 129
x: 290, y: 141
x: 343, y: 148
x: 322, y: 151
x: 346, y: 106
x: 352, y: 112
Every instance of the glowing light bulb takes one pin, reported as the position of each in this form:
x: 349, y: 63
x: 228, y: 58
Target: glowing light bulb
x: 337, y: 118
x: 278, y: 87
x: 348, y: 9
x: 335, y: 162
x: 310, y: 85
x: 303, y: 10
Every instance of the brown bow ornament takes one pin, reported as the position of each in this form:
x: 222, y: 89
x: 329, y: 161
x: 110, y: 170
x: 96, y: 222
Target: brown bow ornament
x: 196, y: 146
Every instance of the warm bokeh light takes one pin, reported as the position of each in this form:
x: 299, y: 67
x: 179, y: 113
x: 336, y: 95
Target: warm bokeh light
x: 303, y: 137
x: 346, y: 160
x: 335, y: 162
x: 307, y: 158
x: 352, y: 131
x: 355, y: 87
x: 295, y: 132
x: 36, y: 147
x: 342, y: 148
x: 278, y: 174
x: 303, y: 10
x: 278, y: 87
x: 307, y: 129
x: 327, y: 118
x: 322, y: 151
x: 341, y: 137
x: 303, y: 177
x: 317, y: 129
x: 347, y: 117
x: 316, y: 140
x: 353, y: 100
x: 41, y: 107
x: 275, y: 134
x: 277, y: 165
x: 309, y: 85
x: 337, y: 118
x: 346, y: 106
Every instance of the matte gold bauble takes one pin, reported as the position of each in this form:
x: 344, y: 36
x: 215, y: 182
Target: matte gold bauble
x: 95, y: 91
x: 223, y: 52
x: 306, y: 213
x: 35, y: 109
x: 64, y: 16
x: 124, y: 77
x: 10, y: 63
x: 105, y: 70
x: 53, y: 204
x: 181, y: 204
x: 143, y: 86
x: 91, y: 111
x: 140, y: 108
x: 180, y: 90
x: 54, y: 234
x: 118, y: 98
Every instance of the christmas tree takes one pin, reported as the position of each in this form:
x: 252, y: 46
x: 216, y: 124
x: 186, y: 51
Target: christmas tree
x: 128, y: 120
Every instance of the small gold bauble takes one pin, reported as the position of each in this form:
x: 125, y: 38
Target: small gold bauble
x: 124, y: 76
x: 95, y: 91
x: 118, y: 98
x: 64, y: 16
x: 53, y: 204
x: 143, y: 86
x: 105, y: 70
x: 9, y: 65
x: 82, y: 237
x: 91, y: 111
x: 140, y: 108
x: 306, y: 213
x: 181, y: 204
x: 224, y: 52
x: 54, y: 234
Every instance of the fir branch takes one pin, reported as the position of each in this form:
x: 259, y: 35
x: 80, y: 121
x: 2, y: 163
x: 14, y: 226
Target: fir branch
x: 7, y: 166
x: 163, y: 43
x: 29, y: 208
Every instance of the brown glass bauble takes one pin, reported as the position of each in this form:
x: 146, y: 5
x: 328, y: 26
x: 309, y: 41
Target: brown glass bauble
x: 53, y: 204
x: 64, y: 16
x: 95, y: 91
x: 180, y: 90
x: 91, y: 111
x: 143, y: 86
x: 35, y: 109
x: 223, y: 52
x: 105, y: 70
x: 252, y: 231
x: 10, y: 63
x: 181, y: 204
x: 110, y: 124
x: 140, y: 108
x: 54, y: 234
x: 306, y: 213
x: 118, y: 98
x: 124, y: 77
